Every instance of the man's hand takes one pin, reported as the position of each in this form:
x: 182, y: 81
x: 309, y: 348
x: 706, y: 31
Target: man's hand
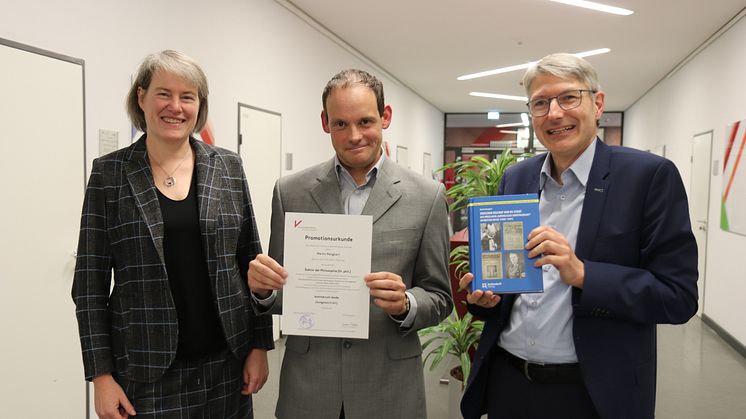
x: 554, y: 249
x: 266, y: 275
x: 255, y: 371
x: 110, y: 400
x: 481, y: 298
x: 387, y: 290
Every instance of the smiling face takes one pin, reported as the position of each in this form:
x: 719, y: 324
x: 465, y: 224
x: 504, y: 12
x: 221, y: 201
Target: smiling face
x: 566, y: 134
x: 170, y: 105
x: 356, y: 127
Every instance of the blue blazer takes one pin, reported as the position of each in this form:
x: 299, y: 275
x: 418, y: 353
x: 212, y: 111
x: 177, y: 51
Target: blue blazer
x: 640, y: 260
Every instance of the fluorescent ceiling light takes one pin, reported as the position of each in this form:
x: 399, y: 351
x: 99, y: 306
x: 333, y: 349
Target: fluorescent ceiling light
x: 596, y: 6
x: 592, y: 52
x: 524, y: 66
x: 499, y: 96
x: 493, y: 115
x: 495, y: 71
x: 505, y: 131
x: 524, y: 119
x: 514, y: 124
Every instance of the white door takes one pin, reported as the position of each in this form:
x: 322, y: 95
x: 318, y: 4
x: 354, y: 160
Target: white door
x: 43, y: 175
x: 699, y: 201
x: 260, y: 145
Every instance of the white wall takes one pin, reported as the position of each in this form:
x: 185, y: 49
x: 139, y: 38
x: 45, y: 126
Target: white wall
x: 706, y: 94
x: 253, y: 51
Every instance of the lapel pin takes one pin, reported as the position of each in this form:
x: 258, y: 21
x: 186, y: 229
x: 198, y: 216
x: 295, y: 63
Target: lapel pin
x: 599, y: 189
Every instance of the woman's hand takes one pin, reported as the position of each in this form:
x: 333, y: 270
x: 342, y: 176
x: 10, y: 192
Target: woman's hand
x: 110, y: 400
x: 255, y: 371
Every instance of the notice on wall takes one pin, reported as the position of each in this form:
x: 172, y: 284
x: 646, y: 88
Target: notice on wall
x: 108, y: 141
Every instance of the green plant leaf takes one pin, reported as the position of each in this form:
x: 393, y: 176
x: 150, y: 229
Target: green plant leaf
x: 465, y: 365
x: 454, y: 336
x: 476, y: 177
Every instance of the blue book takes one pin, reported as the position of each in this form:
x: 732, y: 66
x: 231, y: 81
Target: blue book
x: 498, y: 232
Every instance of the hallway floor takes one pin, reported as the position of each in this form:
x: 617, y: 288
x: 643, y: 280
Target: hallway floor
x: 699, y: 377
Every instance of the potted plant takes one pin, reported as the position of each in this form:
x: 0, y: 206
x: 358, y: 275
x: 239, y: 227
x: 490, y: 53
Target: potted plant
x: 458, y: 335
x: 476, y: 177
x: 455, y: 336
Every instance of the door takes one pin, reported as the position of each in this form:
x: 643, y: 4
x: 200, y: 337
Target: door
x: 260, y: 145
x: 699, y: 202
x: 43, y: 176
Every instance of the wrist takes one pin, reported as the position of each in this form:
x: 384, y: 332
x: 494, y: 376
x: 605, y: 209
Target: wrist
x: 102, y: 378
x: 262, y: 294
x: 407, y: 306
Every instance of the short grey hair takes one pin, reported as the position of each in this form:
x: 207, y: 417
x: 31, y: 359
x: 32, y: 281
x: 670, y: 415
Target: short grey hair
x: 173, y: 62
x: 346, y: 78
x: 565, y: 66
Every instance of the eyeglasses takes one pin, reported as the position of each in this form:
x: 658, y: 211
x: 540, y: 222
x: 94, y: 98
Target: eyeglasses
x: 567, y: 100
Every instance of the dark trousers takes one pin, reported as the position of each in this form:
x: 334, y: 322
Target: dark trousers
x: 511, y: 395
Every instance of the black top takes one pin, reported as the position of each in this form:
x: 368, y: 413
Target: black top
x: 200, y: 332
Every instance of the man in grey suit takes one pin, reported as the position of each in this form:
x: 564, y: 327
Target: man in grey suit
x: 381, y: 377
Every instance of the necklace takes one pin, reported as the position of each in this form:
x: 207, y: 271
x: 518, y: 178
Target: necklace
x: 169, y: 181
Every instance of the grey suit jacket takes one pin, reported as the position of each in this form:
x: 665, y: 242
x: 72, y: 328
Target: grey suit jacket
x: 132, y: 330
x: 381, y: 377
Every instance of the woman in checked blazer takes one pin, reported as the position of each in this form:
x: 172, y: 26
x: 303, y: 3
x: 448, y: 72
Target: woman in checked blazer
x: 172, y: 218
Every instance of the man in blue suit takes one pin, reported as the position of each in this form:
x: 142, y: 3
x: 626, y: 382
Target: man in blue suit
x: 618, y: 257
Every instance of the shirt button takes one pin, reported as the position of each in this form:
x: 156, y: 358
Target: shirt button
x: 531, y: 342
x: 562, y: 197
x: 347, y: 344
x: 546, y: 268
x: 534, y: 303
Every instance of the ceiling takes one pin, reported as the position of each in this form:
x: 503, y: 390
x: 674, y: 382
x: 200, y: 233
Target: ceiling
x: 426, y: 44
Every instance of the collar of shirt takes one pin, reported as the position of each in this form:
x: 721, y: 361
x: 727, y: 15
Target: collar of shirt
x: 580, y: 168
x: 344, y: 176
x: 353, y: 196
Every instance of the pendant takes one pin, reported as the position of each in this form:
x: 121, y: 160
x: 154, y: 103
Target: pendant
x: 169, y: 181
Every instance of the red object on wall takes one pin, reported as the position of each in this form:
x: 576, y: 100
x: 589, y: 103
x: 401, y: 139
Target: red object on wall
x: 489, y: 135
x: 206, y: 134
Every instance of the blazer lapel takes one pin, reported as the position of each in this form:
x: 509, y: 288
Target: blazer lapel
x: 140, y: 179
x: 596, y: 191
x: 209, y: 185
x: 533, y: 182
x: 385, y: 192
x: 326, y: 193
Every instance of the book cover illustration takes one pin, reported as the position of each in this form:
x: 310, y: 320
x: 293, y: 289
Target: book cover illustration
x: 498, y: 232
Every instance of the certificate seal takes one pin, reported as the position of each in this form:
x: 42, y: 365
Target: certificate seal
x: 305, y: 321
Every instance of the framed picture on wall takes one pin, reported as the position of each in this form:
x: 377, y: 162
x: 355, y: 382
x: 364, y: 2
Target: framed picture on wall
x: 427, y: 165
x: 733, y: 205
x: 402, y: 156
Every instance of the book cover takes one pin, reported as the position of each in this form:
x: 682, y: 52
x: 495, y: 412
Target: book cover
x: 498, y: 232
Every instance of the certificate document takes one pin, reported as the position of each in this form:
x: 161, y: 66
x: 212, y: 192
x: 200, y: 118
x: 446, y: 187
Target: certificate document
x: 327, y: 256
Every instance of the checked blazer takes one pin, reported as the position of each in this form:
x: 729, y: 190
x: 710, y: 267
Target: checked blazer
x: 132, y: 329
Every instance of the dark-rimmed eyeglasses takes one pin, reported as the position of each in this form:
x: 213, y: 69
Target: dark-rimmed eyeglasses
x: 566, y: 100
